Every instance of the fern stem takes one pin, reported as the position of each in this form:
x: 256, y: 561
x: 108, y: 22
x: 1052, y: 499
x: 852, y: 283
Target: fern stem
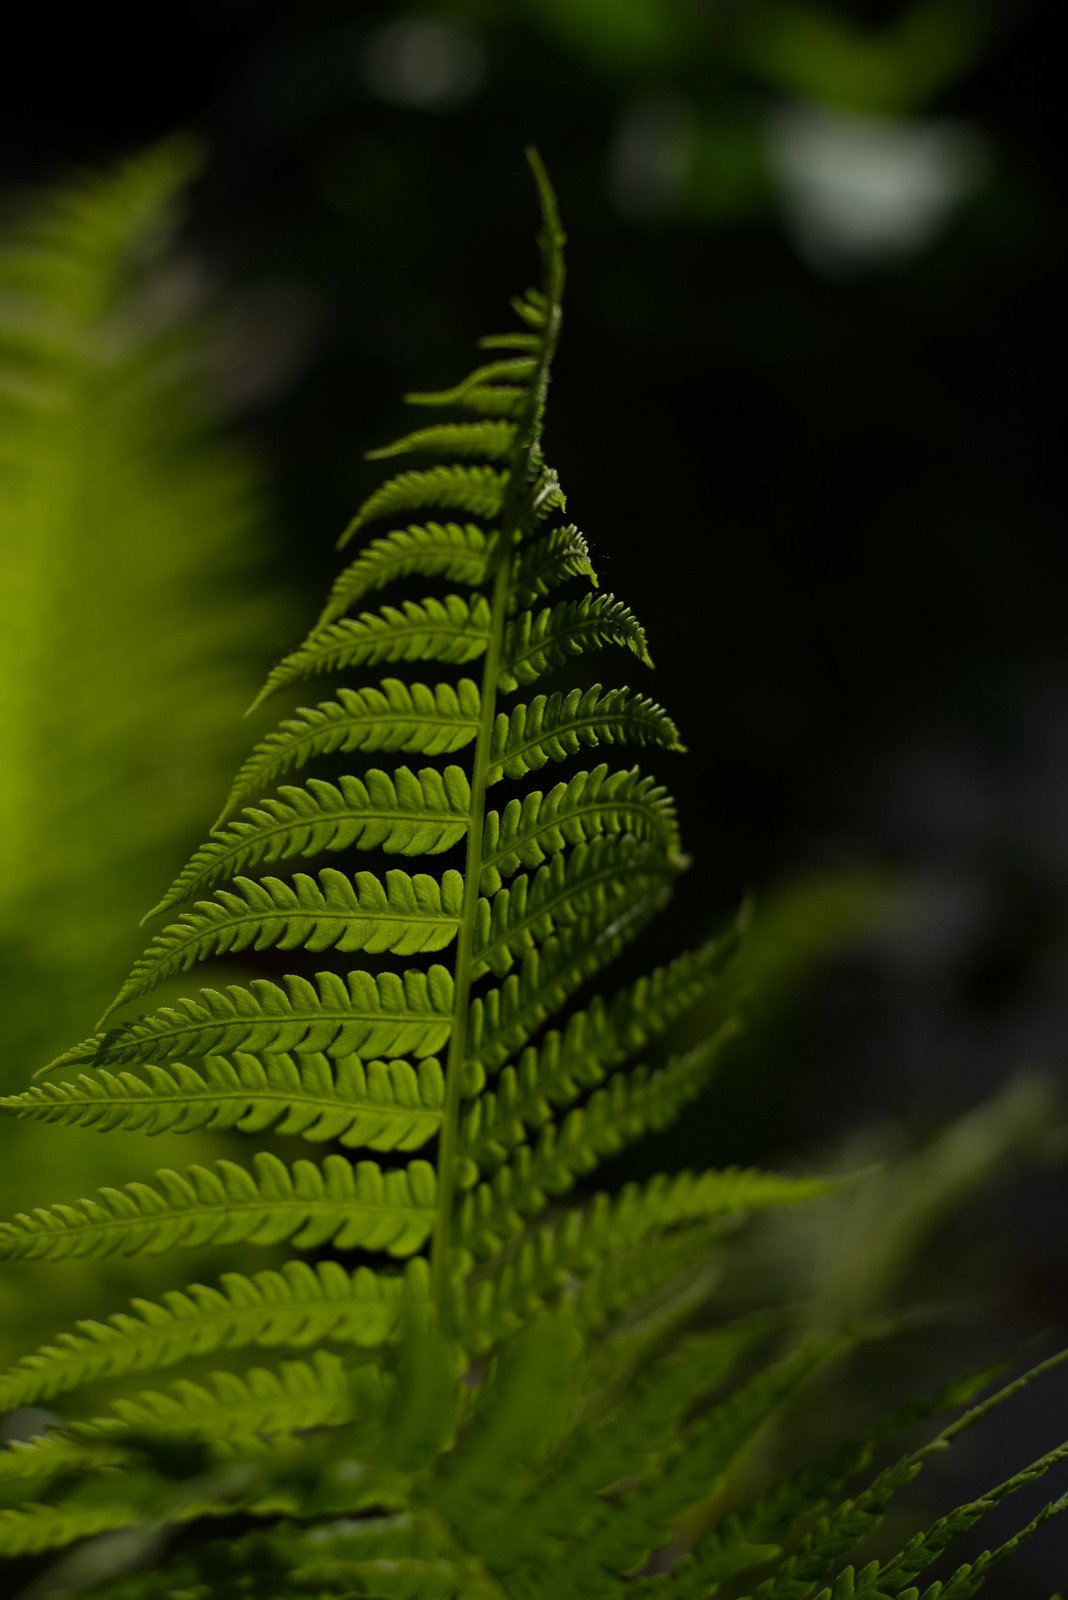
x: 551, y: 241
x: 465, y: 944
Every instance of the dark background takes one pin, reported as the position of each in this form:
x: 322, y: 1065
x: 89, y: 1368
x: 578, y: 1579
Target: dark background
x: 808, y: 431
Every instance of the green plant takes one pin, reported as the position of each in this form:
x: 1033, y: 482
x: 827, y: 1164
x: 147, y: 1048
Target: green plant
x: 122, y: 501
x: 536, y: 1403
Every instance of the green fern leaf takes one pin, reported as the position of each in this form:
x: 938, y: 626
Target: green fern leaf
x: 453, y: 630
x: 631, y: 1527
x: 30, y: 1529
x: 254, y: 1408
x: 556, y: 726
x: 404, y: 914
x: 608, y: 1032
x: 585, y: 886
x: 589, y: 805
x: 354, y: 1206
x: 495, y: 1211
x: 490, y: 441
x: 476, y: 490
x: 410, y: 813
x: 628, y: 1442
x: 536, y: 642
x: 545, y: 563
x: 383, y: 1105
x: 393, y: 1014
x: 31, y: 1464
x: 495, y: 389
x: 299, y: 1304
x: 503, y: 1019
x: 645, y: 1099
x: 437, y: 550
x: 395, y: 716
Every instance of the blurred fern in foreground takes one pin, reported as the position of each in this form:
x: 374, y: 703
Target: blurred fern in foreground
x: 127, y: 529
x: 129, y: 526
x: 481, y: 1382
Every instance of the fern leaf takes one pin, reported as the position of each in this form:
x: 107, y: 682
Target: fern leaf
x: 524, y: 1412
x: 436, y: 550
x: 636, y: 1523
x: 629, y: 1442
x: 395, y: 716
x: 408, y: 813
x: 608, y: 1225
x: 758, y: 1533
x: 495, y: 1211
x: 645, y: 1099
x: 587, y: 806
x: 553, y: 727
x: 503, y: 1019
x: 585, y: 884
x: 494, y: 389
x: 383, y: 1105
x: 489, y: 441
x: 926, y: 1547
x: 38, y: 1460
x: 536, y: 642
x: 352, y: 1205
x: 477, y: 490
x: 453, y: 630
x: 407, y: 915
x: 30, y: 1529
x: 545, y: 563
x: 608, y: 1032
x: 252, y: 1408
x: 298, y: 1304
x: 392, y: 1013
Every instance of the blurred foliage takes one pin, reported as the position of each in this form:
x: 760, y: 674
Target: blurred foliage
x: 133, y: 620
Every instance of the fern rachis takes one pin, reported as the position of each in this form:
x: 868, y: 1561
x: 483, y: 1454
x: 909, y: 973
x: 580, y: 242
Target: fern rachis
x: 507, y: 1403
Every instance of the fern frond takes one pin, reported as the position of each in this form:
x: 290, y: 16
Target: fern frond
x: 838, y: 1533
x: 545, y: 563
x: 299, y: 1304
x: 609, y: 1031
x: 626, y: 1444
x: 477, y: 490
x: 586, y: 884
x: 503, y: 1019
x: 553, y: 727
x: 408, y: 813
x: 925, y: 1548
x: 494, y: 389
x: 436, y: 550
x: 494, y: 1211
x: 405, y: 914
x: 253, y: 1408
x: 37, y: 1461
x: 352, y: 1205
x: 30, y: 1529
x: 631, y: 1526
x: 489, y: 441
x: 646, y: 1099
x: 453, y: 630
x: 512, y: 1284
x: 536, y: 642
x: 383, y: 1105
x: 392, y: 1014
x: 395, y: 716
x: 591, y: 804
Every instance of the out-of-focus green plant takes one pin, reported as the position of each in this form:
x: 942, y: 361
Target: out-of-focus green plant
x: 126, y: 546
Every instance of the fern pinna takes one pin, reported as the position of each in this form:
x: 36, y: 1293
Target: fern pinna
x: 484, y: 1391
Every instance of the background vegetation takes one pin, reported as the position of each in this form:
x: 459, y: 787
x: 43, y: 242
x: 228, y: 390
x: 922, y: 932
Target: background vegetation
x: 813, y: 258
